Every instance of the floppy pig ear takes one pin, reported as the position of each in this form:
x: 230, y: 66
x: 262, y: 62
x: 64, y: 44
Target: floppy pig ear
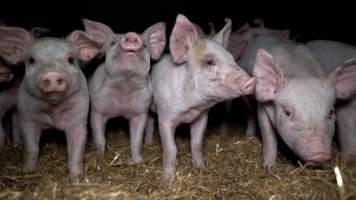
x: 343, y: 78
x: 224, y: 35
x: 98, y: 31
x: 155, y: 37
x: 269, y: 76
x: 184, y: 35
x: 88, y: 48
x: 14, y: 42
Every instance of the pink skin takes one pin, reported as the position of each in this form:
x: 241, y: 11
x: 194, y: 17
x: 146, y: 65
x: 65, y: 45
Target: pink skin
x: 290, y: 84
x: 202, y: 74
x: 333, y: 54
x: 119, y: 87
x: 43, y: 102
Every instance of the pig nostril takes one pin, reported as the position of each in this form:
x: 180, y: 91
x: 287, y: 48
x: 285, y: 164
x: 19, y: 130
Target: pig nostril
x: 46, y: 82
x: 60, y: 81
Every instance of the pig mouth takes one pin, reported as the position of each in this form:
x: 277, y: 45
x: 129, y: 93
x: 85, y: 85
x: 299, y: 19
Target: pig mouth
x: 318, y: 159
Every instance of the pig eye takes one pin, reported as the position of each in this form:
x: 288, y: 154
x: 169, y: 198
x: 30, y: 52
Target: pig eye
x: 31, y: 60
x: 71, y: 60
x: 331, y: 115
x: 210, y: 62
x: 112, y: 43
x: 288, y: 113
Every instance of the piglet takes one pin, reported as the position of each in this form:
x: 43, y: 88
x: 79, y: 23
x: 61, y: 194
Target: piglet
x: 119, y: 86
x: 295, y: 98
x: 53, y: 92
x: 199, y: 73
x: 333, y: 54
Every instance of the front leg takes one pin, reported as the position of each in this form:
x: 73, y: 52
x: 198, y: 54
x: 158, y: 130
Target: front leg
x: 149, y: 130
x: 16, y: 127
x: 251, y: 116
x: 76, y: 137
x: 31, y: 133
x: 269, y: 139
x: 166, y: 130
x: 97, y: 123
x: 137, y: 127
x: 2, y: 132
x: 197, y: 129
x: 346, y: 126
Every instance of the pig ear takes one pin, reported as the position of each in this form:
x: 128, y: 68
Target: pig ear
x: 98, y: 31
x: 343, y: 79
x: 237, y: 45
x: 88, y: 47
x: 14, y: 42
x: 285, y: 34
x: 243, y: 28
x: 224, y: 35
x: 259, y: 22
x: 39, y: 31
x: 212, y: 29
x: 183, y: 36
x: 155, y: 35
x: 199, y: 30
x: 269, y: 76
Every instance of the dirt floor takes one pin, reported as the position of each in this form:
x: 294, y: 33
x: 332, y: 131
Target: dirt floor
x: 233, y: 171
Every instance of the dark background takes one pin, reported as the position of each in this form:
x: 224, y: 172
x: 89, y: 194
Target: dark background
x: 309, y: 20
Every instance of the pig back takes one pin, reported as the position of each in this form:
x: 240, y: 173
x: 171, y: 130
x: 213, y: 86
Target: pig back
x: 331, y: 54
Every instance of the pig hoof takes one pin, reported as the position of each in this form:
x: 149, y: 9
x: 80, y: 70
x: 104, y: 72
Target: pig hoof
x: 224, y: 129
x: 268, y: 164
x: 73, y: 179
x: 137, y: 160
x: 199, y: 164
x: 250, y: 133
x: 167, y: 178
x: 28, y: 168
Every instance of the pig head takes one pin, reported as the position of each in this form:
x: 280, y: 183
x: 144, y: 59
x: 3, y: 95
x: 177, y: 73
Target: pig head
x: 298, y: 105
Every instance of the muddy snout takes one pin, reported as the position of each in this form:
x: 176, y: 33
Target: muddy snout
x: 5, y: 74
x: 52, y: 81
x: 131, y: 42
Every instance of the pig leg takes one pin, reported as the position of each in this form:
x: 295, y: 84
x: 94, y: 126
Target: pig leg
x: 197, y: 129
x: 251, y: 117
x: 346, y: 124
x: 2, y: 131
x: 137, y: 128
x: 31, y: 137
x: 98, y: 122
x: 226, y: 106
x: 166, y: 130
x: 76, y: 138
x: 149, y: 131
x: 16, y: 129
x: 269, y: 139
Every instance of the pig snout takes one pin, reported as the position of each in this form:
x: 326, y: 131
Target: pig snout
x: 316, y: 151
x: 247, y: 85
x: 5, y: 74
x: 52, y: 81
x: 131, y: 42
x: 318, y: 159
